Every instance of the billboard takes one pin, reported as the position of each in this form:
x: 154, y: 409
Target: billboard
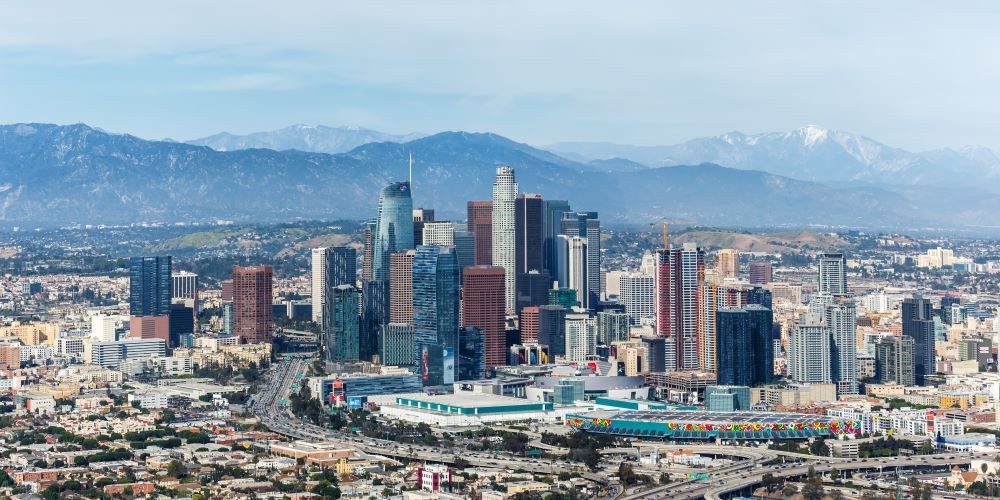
x: 448, y: 360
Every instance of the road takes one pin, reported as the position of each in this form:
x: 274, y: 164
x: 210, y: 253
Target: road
x: 266, y: 405
x: 724, y: 482
x: 944, y: 459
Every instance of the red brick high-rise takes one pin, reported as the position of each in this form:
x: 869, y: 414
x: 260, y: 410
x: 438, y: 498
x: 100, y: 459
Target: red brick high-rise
x: 480, y: 215
x: 483, y: 308
x: 150, y: 327
x: 529, y: 325
x: 252, y: 316
x: 10, y: 356
x: 760, y: 272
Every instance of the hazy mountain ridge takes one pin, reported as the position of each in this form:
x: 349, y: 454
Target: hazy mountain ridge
x: 309, y: 138
x: 59, y: 175
x: 809, y: 153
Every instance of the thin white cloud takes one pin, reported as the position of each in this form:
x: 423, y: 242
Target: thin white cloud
x: 254, y: 81
x: 643, y: 72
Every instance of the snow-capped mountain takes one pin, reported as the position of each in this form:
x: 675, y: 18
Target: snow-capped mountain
x: 60, y: 175
x: 810, y: 153
x: 309, y: 138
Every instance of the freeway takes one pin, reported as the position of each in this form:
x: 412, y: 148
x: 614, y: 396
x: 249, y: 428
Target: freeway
x: 726, y: 482
x: 267, y: 406
x: 919, y: 461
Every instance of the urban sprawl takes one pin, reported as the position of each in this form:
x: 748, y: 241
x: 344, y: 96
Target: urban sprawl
x: 523, y: 353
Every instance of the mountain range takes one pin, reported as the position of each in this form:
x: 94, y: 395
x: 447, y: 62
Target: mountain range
x: 55, y: 175
x: 309, y: 138
x: 809, y: 153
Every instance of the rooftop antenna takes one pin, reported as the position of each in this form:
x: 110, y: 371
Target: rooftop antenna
x: 411, y: 174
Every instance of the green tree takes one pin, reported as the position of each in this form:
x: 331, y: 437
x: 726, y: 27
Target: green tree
x: 813, y: 489
x: 167, y: 416
x: 926, y: 448
x: 771, y: 483
x: 819, y: 447
x: 176, y: 469
x: 626, y: 474
x: 326, y: 490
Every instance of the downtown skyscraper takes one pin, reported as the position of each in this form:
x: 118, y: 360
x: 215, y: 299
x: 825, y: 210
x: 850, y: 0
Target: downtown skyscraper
x: 341, y: 332
x: 503, y: 233
x: 253, y: 317
x: 150, y: 286
x: 679, y: 272
x: 552, y: 215
x: 435, y: 298
x: 809, y: 356
x: 918, y: 324
x: 393, y: 228
x: 841, y: 318
x: 744, y: 348
x: 833, y: 273
x: 587, y: 225
x: 480, y: 220
x: 483, y: 308
x: 572, y: 268
x: 401, y: 287
x: 533, y: 281
x: 894, y: 361
x: 729, y: 263
x: 392, y: 233
x: 331, y: 267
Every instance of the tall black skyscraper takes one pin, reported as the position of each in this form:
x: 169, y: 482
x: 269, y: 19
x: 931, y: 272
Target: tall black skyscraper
x: 760, y: 296
x: 471, y: 354
x: 744, y: 346
x: 733, y: 347
x: 533, y: 289
x: 181, y: 322
x: 656, y: 348
x: 150, y: 286
x: 918, y: 324
x: 533, y: 282
x: 528, y: 227
x: 341, y: 266
x: 375, y: 314
x: 552, y: 329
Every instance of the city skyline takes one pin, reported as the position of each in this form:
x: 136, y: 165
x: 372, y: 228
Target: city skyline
x: 390, y: 312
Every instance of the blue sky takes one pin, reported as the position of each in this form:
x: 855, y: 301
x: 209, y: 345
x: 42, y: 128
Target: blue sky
x: 918, y: 75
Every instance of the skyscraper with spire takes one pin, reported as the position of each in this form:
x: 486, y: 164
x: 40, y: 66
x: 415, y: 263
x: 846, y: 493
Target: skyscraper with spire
x: 394, y: 227
x: 503, y: 241
x: 392, y: 233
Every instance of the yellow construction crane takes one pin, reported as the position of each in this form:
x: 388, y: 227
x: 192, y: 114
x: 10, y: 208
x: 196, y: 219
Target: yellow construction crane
x: 664, y: 223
